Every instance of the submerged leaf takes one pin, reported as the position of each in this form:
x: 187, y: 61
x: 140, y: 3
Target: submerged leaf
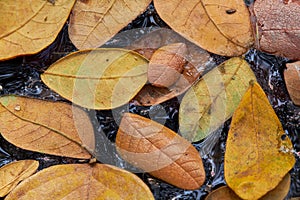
x: 46, y: 127
x: 210, y: 102
x: 292, y: 81
x: 158, y: 150
x: 27, y: 27
x: 221, y: 27
x: 99, y: 78
x: 256, y: 157
x: 82, y: 181
x: 93, y: 22
x: 12, y: 173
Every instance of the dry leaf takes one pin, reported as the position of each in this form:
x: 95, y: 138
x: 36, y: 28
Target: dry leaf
x: 46, y: 127
x: 13, y: 173
x: 292, y: 81
x: 27, y: 27
x: 256, y: 158
x: 99, y: 78
x: 167, y: 64
x: 93, y: 22
x: 278, y: 27
x: 221, y: 27
x: 211, y: 101
x: 82, y: 181
x: 158, y: 150
x: 222, y: 193
x: 197, y: 58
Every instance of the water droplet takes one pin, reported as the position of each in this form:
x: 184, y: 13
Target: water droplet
x: 17, y: 108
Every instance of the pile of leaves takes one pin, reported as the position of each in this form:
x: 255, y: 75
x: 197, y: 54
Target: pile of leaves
x: 147, y: 70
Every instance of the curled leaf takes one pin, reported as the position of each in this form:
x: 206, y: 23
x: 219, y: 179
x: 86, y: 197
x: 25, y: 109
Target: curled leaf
x: 13, y: 173
x: 27, y: 27
x: 47, y: 127
x: 212, y: 100
x: 160, y: 151
x: 292, y: 81
x: 82, y: 181
x: 221, y: 27
x: 257, y: 157
x: 99, y: 78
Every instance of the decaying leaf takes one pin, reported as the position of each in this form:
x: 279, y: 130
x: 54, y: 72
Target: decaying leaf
x: 13, y: 173
x: 292, y: 81
x: 82, y: 181
x: 158, y: 150
x: 167, y: 64
x: 27, y: 27
x: 46, y: 127
x: 278, y: 27
x: 93, y: 22
x: 256, y: 157
x: 99, y: 78
x: 210, y: 102
x: 222, y: 193
x: 221, y: 27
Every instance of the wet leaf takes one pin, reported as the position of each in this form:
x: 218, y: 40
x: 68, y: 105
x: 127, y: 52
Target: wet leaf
x: 197, y: 63
x: 256, y: 157
x: 212, y: 101
x: 221, y: 27
x: 13, y: 173
x: 158, y: 150
x: 27, y: 27
x: 93, y: 22
x: 47, y: 127
x: 99, y: 78
x: 82, y: 181
x: 292, y: 81
x: 278, y: 27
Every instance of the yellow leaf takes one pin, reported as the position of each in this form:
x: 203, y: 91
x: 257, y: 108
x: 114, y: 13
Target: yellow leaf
x: 48, y: 127
x: 158, y: 150
x: 212, y: 101
x: 99, y: 78
x: 221, y: 27
x: 13, y: 173
x: 82, y: 181
x: 93, y: 22
x: 27, y: 27
x: 256, y: 158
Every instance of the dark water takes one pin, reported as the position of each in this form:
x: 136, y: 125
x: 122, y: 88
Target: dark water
x: 21, y: 76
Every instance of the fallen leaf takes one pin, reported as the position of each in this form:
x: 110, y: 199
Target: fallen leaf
x: 167, y: 64
x: 212, y: 100
x: 279, y: 193
x: 14, y: 172
x: 46, y: 127
x: 27, y: 27
x: 221, y: 27
x: 93, y: 22
x: 158, y: 150
x: 292, y: 81
x: 82, y: 181
x: 256, y: 158
x: 98, y: 79
x: 278, y: 25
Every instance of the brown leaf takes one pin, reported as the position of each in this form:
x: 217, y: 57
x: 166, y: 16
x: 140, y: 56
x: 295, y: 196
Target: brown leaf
x: 292, y: 81
x: 27, y: 27
x: 46, y: 127
x: 13, y: 173
x: 222, y: 193
x: 166, y: 64
x: 221, y: 27
x: 256, y: 158
x: 160, y: 151
x: 93, y: 22
x: 82, y: 181
x: 278, y: 27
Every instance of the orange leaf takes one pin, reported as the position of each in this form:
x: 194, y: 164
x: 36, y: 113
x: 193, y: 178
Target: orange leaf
x: 47, y: 127
x: 82, y: 181
x: 158, y: 150
x: 292, y: 81
x: 256, y: 158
